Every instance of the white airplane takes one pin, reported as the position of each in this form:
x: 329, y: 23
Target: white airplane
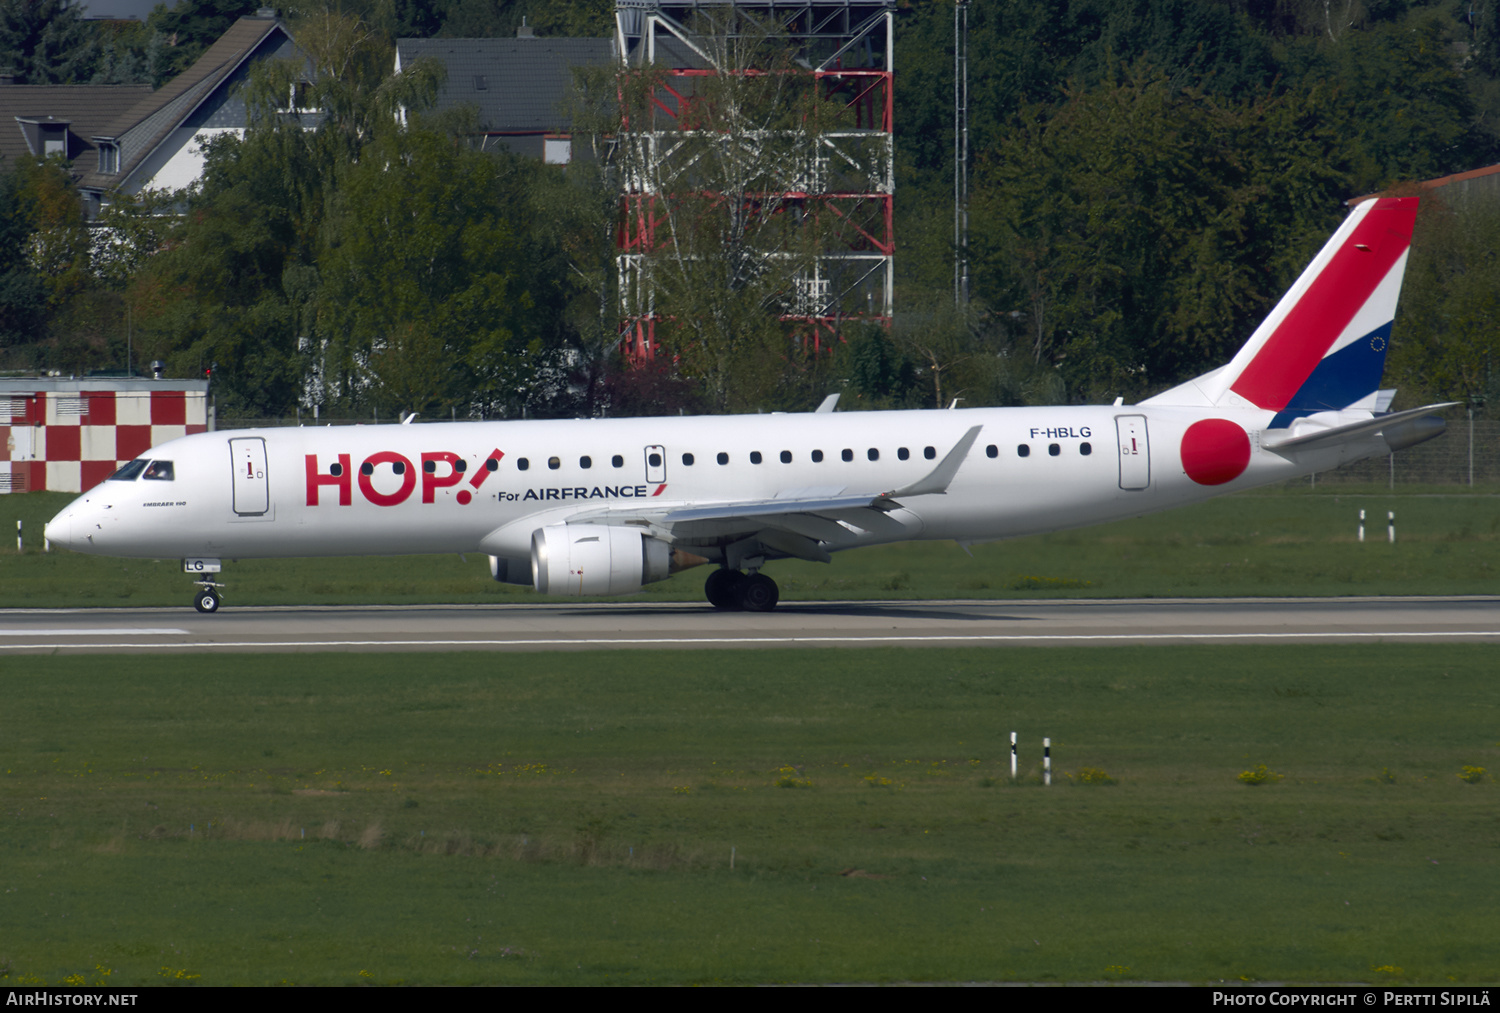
x: 603, y: 506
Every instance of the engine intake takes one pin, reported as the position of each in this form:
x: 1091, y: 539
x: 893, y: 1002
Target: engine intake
x: 603, y: 559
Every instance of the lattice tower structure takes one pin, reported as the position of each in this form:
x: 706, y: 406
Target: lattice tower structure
x: 826, y: 172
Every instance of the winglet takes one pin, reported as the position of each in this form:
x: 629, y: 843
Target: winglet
x: 828, y: 404
x: 936, y: 482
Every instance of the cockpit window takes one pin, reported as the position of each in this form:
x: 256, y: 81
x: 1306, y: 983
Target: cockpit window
x: 130, y: 472
x: 160, y: 471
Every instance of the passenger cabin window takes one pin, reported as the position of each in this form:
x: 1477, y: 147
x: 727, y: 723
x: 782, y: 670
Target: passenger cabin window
x: 585, y: 462
x: 817, y: 456
x: 688, y: 459
x: 460, y: 466
x: 1023, y: 451
x: 847, y: 454
x: 522, y: 464
x: 873, y: 454
x: 1054, y: 449
x: 786, y: 457
x: 130, y: 472
x: 931, y: 452
x: 723, y: 458
x: 367, y: 468
x: 491, y: 465
x: 617, y: 461
x: 992, y: 451
x: 755, y: 457
x: 158, y: 471
x: 1085, y: 449
x: 554, y: 463
x: 903, y: 454
x: 654, y: 460
x: 335, y: 469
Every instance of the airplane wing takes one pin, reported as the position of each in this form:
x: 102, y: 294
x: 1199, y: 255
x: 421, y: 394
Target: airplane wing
x: 802, y: 522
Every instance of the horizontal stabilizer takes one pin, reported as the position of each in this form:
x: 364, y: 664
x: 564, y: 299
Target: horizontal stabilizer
x: 1342, y: 434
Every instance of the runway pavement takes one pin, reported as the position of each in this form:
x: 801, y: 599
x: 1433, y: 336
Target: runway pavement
x: 793, y: 624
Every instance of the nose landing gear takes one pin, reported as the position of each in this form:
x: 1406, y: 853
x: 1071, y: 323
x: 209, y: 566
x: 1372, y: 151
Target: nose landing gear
x: 207, y: 598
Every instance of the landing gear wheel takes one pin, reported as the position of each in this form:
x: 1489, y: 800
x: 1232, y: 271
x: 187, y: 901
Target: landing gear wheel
x: 722, y: 588
x: 206, y: 600
x: 759, y: 593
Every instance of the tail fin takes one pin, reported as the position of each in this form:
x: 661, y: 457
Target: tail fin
x: 1323, y: 346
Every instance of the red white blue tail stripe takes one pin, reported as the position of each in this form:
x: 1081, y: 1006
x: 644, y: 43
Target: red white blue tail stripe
x: 1323, y: 347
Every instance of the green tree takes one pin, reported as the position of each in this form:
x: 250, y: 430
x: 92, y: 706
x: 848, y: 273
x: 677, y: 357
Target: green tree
x: 46, y: 42
x: 23, y: 296
x: 422, y: 289
x: 189, y: 27
x: 1446, y: 341
x: 1131, y: 229
x: 217, y: 293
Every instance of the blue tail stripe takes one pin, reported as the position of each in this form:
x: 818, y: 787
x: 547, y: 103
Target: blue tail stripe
x: 1341, y: 379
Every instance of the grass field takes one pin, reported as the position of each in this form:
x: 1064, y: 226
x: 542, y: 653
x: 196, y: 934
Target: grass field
x: 1291, y: 541
x: 468, y: 818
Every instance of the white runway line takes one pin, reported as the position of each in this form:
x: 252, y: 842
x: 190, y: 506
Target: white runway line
x: 94, y: 633
x: 1017, y: 638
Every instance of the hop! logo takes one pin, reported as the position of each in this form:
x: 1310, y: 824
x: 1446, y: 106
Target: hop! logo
x: 387, y: 478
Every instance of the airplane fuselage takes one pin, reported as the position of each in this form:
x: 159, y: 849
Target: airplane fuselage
x: 487, y: 486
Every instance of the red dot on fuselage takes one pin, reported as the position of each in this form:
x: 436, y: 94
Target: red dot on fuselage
x: 464, y: 497
x: 1215, y: 451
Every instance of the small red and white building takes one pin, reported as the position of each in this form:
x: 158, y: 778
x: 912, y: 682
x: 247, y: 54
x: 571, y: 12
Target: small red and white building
x: 68, y: 435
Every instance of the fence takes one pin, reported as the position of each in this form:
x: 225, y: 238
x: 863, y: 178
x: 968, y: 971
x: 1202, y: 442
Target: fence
x: 1451, y: 459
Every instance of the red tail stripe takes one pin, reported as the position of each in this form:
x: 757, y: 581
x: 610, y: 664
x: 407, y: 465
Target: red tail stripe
x: 1290, y: 355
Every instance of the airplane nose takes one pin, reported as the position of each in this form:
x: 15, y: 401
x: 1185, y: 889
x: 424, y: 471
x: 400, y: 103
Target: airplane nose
x: 59, y: 530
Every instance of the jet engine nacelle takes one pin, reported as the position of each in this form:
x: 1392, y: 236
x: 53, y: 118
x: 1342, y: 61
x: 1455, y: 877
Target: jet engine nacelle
x: 580, y: 559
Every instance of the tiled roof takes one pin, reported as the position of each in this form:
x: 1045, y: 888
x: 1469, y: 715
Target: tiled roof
x: 519, y: 85
x: 91, y: 110
x: 149, y: 122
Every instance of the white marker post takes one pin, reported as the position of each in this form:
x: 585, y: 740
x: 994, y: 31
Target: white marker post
x: 1361, y: 525
x: 1390, y: 526
x: 18, y: 536
x: 1012, y: 756
x: 1047, y: 762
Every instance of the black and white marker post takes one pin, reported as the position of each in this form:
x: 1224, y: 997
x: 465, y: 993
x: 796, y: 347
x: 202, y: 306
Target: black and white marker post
x: 1047, y: 762
x: 1012, y: 756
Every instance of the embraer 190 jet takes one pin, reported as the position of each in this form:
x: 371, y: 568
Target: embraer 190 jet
x: 603, y: 506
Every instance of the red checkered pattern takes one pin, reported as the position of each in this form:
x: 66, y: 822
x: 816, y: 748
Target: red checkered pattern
x: 72, y: 441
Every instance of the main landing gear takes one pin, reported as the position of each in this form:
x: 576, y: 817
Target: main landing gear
x: 749, y: 592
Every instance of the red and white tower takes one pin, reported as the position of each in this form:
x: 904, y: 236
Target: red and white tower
x: 827, y: 168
